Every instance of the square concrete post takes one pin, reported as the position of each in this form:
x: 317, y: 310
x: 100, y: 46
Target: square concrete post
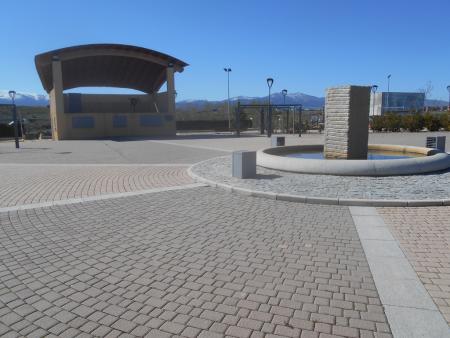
x: 170, y: 89
x: 277, y: 141
x: 57, y: 118
x: 347, y: 122
x: 244, y: 164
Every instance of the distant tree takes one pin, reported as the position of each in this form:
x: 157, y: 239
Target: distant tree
x: 427, y: 89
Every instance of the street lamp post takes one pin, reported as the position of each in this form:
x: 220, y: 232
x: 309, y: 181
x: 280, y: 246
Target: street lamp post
x: 284, y: 93
x: 261, y: 122
x: 374, y: 90
x: 228, y: 70
x: 387, y: 96
x: 269, y: 122
x: 300, y: 121
x: 448, y: 88
x: 12, y: 95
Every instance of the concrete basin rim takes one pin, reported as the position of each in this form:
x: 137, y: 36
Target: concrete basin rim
x: 270, y: 158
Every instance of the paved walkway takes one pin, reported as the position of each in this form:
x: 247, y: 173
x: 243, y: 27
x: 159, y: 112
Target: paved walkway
x: 191, y: 262
x: 30, y: 184
x: 424, y: 235
x: 183, y: 264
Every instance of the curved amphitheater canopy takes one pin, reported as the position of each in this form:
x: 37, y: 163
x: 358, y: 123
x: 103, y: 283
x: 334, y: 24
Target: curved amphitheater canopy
x: 107, y: 65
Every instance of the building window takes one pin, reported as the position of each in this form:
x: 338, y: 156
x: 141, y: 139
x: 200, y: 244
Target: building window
x: 74, y: 102
x: 119, y: 121
x: 83, y: 122
x: 150, y: 120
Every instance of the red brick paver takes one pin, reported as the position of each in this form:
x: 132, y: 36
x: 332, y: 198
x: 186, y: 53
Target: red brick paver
x: 424, y: 236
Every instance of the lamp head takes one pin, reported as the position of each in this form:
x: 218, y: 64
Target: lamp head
x: 448, y: 88
x: 389, y: 76
x: 284, y: 92
x: 374, y: 88
x: 12, y: 94
x: 270, y: 82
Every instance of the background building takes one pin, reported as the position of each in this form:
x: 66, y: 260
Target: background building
x: 396, y: 102
x: 86, y: 116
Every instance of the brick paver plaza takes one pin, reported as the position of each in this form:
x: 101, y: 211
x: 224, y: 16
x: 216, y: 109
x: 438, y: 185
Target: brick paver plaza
x: 424, y: 234
x: 192, y: 262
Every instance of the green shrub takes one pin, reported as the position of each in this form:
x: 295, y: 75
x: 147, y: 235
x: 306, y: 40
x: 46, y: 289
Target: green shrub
x: 445, y: 121
x: 413, y: 122
x: 378, y: 123
x: 432, y: 122
x: 393, y: 122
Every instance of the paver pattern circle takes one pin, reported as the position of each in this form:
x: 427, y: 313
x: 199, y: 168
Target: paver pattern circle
x: 22, y: 184
x: 182, y: 264
x: 414, y: 187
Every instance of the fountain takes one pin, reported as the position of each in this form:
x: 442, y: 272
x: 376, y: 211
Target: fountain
x: 346, y: 150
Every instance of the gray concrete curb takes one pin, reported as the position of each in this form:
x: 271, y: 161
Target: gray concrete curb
x: 319, y: 200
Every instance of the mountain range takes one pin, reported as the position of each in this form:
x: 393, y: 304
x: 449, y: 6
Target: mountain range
x: 308, y: 101
x: 24, y: 99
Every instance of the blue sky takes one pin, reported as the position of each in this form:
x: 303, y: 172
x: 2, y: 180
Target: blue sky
x: 306, y: 46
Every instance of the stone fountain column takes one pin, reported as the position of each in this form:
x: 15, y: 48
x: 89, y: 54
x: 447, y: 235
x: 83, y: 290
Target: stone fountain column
x: 347, y: 122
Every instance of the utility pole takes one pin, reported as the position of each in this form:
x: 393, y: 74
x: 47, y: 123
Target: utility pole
x: 269, y: 122
x: 387, y: 97
x: 284, y: 93
x: 12, y: 95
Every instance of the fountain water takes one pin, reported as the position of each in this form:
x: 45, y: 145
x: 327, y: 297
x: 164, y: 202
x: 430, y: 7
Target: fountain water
x: 345, y: 150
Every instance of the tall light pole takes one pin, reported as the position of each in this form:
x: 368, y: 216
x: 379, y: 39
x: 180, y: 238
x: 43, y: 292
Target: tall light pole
x: 387, y: 97
x: 448, y: 88
x: 269, y: 122
x: 228, y: 70
x: 374, y: 90
x: 284, y: 93
x: 12, y: 95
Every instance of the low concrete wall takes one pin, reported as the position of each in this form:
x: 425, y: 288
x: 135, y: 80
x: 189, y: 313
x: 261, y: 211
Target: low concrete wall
x: 273, y: 158
x: 112, y: 115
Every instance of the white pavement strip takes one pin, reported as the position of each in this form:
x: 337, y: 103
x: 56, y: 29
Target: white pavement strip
x: 192, y: 146
x: 96, y: 164
x: 409, y: 308
x: 100, y: 197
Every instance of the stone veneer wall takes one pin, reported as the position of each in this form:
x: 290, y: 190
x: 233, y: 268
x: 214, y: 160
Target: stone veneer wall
x: 347, y: 122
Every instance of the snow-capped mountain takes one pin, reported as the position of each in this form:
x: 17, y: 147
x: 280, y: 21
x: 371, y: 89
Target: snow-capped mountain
x: 308, y: 101
x: 24, y: 99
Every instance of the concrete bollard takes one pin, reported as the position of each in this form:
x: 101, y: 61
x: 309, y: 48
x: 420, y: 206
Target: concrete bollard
x: 244, y: 164
x: 277, y: 141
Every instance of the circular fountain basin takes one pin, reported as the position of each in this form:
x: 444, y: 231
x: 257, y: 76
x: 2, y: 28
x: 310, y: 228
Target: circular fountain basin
x: 384, y: 160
